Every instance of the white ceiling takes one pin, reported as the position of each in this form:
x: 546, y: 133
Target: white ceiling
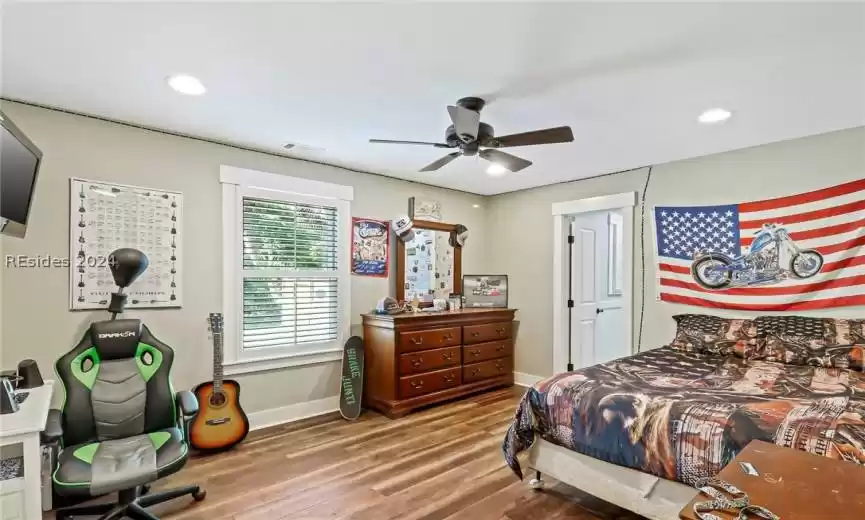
x: 629, y: 78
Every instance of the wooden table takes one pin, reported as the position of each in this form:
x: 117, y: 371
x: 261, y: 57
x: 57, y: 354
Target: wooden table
x: 794, y: 485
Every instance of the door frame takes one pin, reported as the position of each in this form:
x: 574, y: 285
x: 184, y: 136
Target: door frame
x: 562, y: 213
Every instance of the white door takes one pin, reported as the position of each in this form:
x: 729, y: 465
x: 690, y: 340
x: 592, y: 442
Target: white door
x: 598, y: 334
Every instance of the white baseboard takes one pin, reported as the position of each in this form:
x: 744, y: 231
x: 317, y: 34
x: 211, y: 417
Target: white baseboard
x: 523, y: 379
x: 293, y: 412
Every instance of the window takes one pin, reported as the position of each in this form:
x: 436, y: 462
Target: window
x: 286, y: 270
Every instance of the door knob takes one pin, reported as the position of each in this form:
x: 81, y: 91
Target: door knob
x: 599, y: 310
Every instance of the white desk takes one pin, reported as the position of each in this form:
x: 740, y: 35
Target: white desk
x: 23, y: 427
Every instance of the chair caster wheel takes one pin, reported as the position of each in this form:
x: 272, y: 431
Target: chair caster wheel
x: 199, y: 495
x: 536, y: 484
x: 145, y: 489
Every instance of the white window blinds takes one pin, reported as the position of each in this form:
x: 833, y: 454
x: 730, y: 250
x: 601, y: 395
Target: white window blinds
x: 290, y: 278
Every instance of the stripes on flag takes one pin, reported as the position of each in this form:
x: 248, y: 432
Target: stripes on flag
x: 830, y: 221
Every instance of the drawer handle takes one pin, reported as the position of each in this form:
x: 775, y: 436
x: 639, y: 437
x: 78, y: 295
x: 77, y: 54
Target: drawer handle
x: 475, y: 334
x: 448, y: 337
x: 416, y: 384
x: 448, y: 355
x: 500, y: 331
x: 449, y: 378
x: 500, y: 348
x: 475, y: 352
x: 417, y: 341
x: 500, y: 366
x: 417, y: 362
x: 476, y: 371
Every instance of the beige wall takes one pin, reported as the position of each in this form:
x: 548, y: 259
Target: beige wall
x: 36, y: 321
x: 511, y: 234
x: 519, y: 224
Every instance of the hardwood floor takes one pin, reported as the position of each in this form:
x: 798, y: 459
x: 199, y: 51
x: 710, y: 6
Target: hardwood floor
x: 444, y: 462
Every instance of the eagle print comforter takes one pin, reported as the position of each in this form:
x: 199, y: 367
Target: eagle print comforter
x: 684, y: 416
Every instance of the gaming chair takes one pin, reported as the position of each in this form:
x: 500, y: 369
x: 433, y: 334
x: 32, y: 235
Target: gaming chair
x: 122, y: 426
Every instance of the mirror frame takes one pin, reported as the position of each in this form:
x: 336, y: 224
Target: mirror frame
x: 400, y: 260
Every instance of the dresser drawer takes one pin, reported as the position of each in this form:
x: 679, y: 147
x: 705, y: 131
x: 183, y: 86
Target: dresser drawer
x: 487, y: 369
x: 426, y: 360
x: 429, y: 382
x: 486, y: 351
x: 427, y: 339
x: 486, y: 332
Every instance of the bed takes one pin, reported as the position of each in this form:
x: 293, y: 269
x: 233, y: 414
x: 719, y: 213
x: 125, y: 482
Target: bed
x: 642, y: 430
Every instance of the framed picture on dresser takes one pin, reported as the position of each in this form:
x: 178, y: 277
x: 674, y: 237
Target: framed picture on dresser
x: 486, y: 290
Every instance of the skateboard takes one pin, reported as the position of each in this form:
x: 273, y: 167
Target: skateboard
x: 352, y: 379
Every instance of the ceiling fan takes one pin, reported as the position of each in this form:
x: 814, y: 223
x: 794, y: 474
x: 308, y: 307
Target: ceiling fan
x: 475, y: 138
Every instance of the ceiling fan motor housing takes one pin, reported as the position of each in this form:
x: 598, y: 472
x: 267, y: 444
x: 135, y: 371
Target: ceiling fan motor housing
x: 485, y: 134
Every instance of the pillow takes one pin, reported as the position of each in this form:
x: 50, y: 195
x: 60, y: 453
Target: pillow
x: 824, y: 342
x: 706, y: 334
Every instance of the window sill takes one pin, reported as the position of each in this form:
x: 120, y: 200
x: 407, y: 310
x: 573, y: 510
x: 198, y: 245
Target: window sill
x: 262, y: 364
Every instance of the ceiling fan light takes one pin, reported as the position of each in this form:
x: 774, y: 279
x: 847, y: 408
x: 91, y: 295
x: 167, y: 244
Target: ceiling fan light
x: 496, y: 170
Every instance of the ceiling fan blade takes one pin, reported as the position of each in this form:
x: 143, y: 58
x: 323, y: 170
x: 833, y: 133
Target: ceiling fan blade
x: 435, y: 165
x: 560, y: 134
x: 466, y: 123
x: 510, y: 162
x: 389, y: 141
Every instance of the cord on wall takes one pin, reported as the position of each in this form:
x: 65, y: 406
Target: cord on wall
x: 643, y: 259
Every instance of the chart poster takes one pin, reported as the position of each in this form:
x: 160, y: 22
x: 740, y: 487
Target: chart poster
x: 104, y: 217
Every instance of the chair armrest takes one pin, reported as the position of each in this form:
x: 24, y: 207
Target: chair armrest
x: 187, y: 403
x: 53, y: 427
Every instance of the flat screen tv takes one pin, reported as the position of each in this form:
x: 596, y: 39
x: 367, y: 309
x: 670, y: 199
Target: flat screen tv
x: 19, y: 164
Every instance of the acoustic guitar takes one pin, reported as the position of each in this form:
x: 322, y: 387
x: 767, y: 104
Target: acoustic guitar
x: 221, y: 423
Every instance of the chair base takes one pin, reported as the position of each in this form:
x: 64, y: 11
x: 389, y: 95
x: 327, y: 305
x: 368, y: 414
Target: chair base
x: 132, y: 504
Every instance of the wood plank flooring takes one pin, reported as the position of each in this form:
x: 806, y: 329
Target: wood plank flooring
x: 444, y: 462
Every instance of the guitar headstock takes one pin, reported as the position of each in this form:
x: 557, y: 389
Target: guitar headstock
x: 214, y: 321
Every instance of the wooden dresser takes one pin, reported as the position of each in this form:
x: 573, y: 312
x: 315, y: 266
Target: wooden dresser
x: 414, y: 360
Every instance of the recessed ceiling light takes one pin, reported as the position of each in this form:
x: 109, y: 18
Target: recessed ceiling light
x: 714, y: 115
x: 496, y: 170
x: 186, y: 84
x: 476, y: 206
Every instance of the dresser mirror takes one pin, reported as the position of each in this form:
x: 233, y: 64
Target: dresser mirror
x: 428, y: 266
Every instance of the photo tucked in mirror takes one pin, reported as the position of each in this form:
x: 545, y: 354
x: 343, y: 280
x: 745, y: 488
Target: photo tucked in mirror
x: 429, y: 266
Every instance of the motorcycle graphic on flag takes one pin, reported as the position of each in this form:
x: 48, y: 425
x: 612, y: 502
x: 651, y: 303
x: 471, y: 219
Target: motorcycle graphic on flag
x: 799, y: 252
x: 773, y: 256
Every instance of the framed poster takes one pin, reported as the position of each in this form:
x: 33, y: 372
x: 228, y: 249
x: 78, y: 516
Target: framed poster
x: 104, y: 217
x: 486, y: 290
x: 370, y: 252
x: 424, y: 209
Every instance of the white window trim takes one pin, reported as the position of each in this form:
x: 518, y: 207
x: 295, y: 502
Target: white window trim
x: 235, y: 183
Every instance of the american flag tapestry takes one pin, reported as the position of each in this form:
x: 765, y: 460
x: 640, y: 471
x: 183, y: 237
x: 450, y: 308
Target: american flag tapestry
x: 684, y: 416
x: 795, y: 253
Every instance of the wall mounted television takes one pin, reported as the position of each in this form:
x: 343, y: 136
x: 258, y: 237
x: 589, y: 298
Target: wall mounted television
x: 19, y: 164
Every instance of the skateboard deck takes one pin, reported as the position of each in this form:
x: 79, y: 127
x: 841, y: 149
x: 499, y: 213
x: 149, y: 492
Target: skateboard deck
x: 352, y: 379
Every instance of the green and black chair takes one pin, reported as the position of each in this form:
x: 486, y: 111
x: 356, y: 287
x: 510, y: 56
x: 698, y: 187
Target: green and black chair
x: 122, y: 426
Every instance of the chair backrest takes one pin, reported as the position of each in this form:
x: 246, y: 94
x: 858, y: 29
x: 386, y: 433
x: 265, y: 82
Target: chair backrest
x: 117, y: 383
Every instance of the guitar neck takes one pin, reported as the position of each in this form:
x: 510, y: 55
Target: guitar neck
x: 217, y: 360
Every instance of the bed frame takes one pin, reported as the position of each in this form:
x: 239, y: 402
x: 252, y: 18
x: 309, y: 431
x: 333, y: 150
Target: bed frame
x: 642, y: 493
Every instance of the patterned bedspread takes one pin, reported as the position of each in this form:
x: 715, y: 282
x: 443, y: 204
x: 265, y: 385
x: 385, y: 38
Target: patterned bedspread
x: 684, y: 416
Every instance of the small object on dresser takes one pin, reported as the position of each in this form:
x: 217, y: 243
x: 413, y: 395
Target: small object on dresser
x: 485, y: 290
x: 455, y: 302
x: 440, y: 304
x: 28, y: 372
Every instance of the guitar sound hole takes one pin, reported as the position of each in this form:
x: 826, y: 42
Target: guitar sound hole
x: 217, y: 399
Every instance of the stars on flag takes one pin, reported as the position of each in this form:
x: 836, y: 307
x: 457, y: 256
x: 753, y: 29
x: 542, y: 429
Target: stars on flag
x: 685, y: 232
